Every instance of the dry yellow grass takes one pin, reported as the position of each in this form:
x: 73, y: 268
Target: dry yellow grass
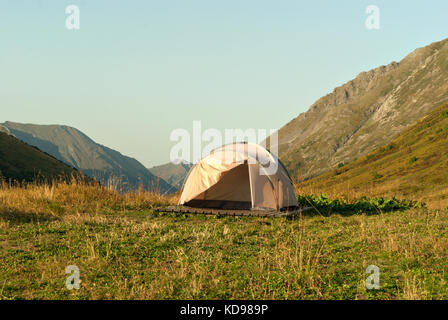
x: 75, y: 197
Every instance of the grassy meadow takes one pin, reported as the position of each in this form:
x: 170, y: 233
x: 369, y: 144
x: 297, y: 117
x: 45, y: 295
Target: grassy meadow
x: 124, y: 250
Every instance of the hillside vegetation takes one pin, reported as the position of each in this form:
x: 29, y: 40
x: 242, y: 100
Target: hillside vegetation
x: 22, y: 162
x: 414, y: 165
x: 124, y: 250
x: 76, y: 149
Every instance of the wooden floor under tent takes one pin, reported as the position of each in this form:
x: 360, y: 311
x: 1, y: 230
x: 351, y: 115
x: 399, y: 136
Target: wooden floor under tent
x: 228, y: 212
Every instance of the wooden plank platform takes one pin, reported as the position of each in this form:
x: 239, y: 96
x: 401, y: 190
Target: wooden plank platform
x: 226, y: 212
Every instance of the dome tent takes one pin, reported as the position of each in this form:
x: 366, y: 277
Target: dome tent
x: 239, y: 176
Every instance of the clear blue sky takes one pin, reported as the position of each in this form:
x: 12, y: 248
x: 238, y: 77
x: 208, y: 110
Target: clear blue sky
x: 136, y: 70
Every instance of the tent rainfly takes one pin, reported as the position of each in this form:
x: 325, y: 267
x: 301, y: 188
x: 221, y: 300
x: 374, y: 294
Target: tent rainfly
x: 239, y: 176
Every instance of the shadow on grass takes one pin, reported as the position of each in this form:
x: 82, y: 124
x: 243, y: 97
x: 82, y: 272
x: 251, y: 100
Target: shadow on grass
x: 19, y: 217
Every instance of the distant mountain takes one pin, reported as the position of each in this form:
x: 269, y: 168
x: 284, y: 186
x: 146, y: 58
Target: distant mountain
x: 365, y: 113
x: 414, y: 164
x: 174, y: 174
x: 22, y: 162
x: 76, y: 149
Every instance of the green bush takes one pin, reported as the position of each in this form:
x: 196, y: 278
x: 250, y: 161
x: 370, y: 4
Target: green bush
x: 363, y: 205
x: 376, y: 176
x: 445, y: 114
x: 412, y: 160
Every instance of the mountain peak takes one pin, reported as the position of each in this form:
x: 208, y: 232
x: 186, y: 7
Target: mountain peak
x: 365, y: 112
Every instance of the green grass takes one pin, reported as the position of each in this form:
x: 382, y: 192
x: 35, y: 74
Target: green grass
x: 445, y: 113
x: 137, y: 256
x: 412, y: 160
x: 376, y: 176
x: 124, y: 250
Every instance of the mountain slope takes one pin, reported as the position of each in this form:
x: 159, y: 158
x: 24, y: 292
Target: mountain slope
x: 78, y: 150
x: 4, y: 129
x: 414, y: 164
x: 366, y: 112
x: 174, y: 174
x: 22, y: 162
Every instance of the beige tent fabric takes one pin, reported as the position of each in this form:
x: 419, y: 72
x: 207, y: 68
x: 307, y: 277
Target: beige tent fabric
x: 234, y: 185
x: 202, y: 177
x: 263, y: 189
x: 240, y: 172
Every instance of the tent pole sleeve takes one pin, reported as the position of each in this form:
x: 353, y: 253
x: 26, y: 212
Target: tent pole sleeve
x: 251, y: 186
